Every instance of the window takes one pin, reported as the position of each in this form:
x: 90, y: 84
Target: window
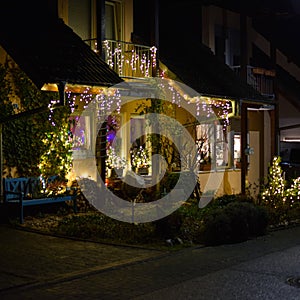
x: 81, y: 132
x: 137, y: 131
x: 227, y: 45
x: 114, y: 149
x: 221, y: 147
x: 204, y: 134
x: 213, y: 146
x: 220, y: 42
x: 113, y: 20
x: 237, y: 150
x: 79, y: 18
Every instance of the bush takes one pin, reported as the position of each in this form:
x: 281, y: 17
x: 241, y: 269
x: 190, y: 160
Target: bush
x: 216, y: 228
x: 168, y: 227
x: 236, y: 222
x: 96, y: 226
x: 226, y: 199
x: 225, y: 220
x: 293, y: 214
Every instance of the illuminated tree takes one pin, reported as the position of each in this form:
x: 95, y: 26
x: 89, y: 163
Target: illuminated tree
x: 273, y: 192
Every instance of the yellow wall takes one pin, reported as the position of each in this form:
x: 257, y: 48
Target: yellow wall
x: 227, y: 181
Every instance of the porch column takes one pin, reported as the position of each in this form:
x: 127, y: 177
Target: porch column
x: 244, y: 142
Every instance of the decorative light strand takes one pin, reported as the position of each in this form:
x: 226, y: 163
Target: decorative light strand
x: 123, y: 58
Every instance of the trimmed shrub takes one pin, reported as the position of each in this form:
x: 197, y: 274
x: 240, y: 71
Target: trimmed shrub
x: 224, y: 200
x: 216, y: 228
x: 236, y: 222
x: 96, y: 226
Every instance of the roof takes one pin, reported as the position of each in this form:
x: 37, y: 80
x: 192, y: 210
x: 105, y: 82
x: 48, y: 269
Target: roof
x: 51, y: 52
x: 201, y: 70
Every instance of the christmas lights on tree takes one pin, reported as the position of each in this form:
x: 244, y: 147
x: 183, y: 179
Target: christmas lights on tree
x: 273, y: 194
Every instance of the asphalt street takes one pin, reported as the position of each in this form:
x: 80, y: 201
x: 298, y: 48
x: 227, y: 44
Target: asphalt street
x: 36, y: 266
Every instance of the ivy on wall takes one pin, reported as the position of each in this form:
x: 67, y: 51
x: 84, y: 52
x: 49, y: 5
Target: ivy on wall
x: 37, y: 143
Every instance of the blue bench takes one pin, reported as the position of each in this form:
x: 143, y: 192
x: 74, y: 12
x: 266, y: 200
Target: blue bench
x: 32, y: 191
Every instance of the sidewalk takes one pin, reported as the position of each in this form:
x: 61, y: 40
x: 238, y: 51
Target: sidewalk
x: 29, y: 258
x: 35, y: 266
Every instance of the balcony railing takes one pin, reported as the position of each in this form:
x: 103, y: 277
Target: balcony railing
x: 260, y: 79
x: 127, y: 59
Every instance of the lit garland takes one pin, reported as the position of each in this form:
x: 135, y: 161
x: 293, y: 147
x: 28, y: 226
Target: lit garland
x: 106, y: 101
x: 51, y: 106
x: 115, y: 58
x: 208, y: 106
x: 118, y: 58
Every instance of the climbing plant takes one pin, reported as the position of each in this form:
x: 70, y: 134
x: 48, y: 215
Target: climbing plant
x: 38, y: 142
x: 6, y: 107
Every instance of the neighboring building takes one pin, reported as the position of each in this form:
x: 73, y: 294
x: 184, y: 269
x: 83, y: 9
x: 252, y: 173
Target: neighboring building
x: 261, y: 39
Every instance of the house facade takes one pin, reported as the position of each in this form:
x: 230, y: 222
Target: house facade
x: 237, y: 145
x: 228, y: 106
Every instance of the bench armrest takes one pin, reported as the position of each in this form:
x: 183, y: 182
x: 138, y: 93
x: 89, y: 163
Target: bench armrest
x: 19, y: 195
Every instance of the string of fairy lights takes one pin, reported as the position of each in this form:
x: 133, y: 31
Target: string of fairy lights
x: 107, y: 98
x: 128, y: 59
x: 205, y: 106
x: 139, y: 61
